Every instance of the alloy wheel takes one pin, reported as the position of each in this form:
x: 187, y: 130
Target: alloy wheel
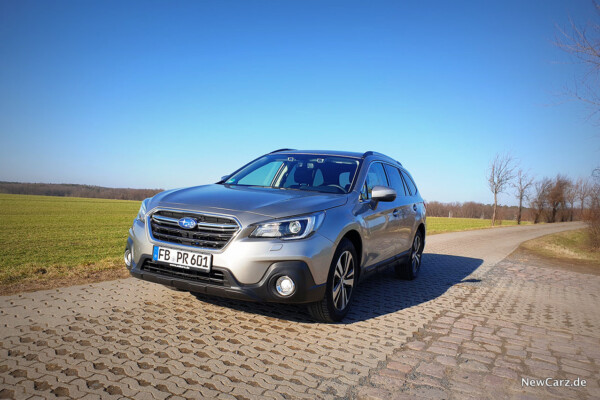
x: 416, y: 255
x: 343, y: 280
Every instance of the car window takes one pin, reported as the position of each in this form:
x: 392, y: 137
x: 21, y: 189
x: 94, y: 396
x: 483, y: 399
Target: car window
x: 345, y: 179
x: 320, y: 173
x: 396, y: 183
x: 409, y: 183
x: 261, y: 176
x: 375, y: 176
x: 318, y: 178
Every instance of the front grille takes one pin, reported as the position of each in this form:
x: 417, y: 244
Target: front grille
x: 214, y: 277
x: 211, y: 232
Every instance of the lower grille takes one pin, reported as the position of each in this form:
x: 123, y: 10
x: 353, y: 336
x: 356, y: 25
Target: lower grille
x: 214, y: 277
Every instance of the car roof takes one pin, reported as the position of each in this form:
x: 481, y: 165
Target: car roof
x: 351, y: 154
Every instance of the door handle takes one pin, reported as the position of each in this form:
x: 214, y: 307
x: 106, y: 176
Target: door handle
x: 414, y: 207
x: 396, y: 212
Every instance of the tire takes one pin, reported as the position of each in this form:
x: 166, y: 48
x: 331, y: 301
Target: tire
x: 410, y: 268
x: 341, y: 283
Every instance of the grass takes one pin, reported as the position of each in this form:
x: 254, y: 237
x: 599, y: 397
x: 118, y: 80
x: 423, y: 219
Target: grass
x: 56, y: 241
x: 43, y: 238
x: 442, y: 224
x: 567, y: 246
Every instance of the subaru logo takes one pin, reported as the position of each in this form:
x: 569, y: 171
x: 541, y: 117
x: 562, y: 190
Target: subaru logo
x: 187, y: 223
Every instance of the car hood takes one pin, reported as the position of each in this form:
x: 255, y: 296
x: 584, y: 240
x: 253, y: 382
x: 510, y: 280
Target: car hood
x: 235, y: 200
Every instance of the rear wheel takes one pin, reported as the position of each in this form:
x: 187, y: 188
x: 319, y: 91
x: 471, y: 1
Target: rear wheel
x: 340, y: 285
x: 410, y: 268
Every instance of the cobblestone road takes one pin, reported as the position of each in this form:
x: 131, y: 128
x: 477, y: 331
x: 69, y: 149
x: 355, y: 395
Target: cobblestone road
x: 469, y: 321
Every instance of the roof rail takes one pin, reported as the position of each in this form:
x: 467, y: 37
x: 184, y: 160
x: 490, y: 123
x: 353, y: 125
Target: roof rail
x: 278, y: 150
x: 370, y: 153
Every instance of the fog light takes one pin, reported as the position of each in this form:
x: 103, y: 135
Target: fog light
x: 285, y: 285
x: 128, y: 257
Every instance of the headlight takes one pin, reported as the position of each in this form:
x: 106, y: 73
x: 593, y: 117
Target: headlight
x: 142, y: 213
x: 290, y: 228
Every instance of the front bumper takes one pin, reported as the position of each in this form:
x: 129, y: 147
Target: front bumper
x: 246, y: 269
x: 221, y: 282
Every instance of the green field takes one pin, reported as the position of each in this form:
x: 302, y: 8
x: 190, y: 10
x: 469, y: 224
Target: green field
x: 442, y: 224
x: 43, y: 238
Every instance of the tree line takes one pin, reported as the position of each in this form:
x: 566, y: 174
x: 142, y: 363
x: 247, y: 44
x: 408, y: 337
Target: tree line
x: 472, y: 209
x: 557, y: 199
x: 73, y: 190
x: 562, y: 199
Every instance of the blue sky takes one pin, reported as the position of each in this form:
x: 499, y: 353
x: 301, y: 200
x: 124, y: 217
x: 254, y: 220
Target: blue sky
x: 170, y: 94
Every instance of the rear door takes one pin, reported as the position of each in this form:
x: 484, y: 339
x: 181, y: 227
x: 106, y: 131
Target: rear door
x: 411, y: 220
x: 402, y: 209
x: 380, y: 223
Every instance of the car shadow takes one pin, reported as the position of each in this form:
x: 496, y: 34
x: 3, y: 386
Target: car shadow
x: 380, y: 294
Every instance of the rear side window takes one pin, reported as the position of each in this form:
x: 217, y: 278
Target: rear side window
x: 395, y: 179
x: 409, y: 183
x: 375, y: 176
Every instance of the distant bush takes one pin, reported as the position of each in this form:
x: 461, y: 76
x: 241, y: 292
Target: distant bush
x: 592, y: 217
x: 594, y: 232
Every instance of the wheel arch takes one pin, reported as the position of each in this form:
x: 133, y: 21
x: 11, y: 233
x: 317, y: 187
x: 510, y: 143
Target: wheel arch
x: 421, y: 228
x: 354, y: 237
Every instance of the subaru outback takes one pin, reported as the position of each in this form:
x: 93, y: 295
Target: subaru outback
x: 291, y: 226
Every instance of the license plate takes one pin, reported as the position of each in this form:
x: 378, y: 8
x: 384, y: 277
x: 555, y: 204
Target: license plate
x: 182, y: 258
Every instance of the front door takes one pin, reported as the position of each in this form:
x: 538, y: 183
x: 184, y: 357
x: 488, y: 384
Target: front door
x: 379, y: 221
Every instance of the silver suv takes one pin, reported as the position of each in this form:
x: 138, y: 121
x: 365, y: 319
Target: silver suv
x: 291, y: 226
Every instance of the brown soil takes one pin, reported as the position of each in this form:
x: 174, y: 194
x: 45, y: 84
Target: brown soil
x: 539, y: 260
x: 35, y: 285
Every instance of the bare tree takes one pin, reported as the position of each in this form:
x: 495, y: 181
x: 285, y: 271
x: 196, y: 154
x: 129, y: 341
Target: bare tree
x: 522, y: 185
x: 539, y: 202
x: 583, y: 42
x: 556, y: 197
x: 571, y: 197
x: 584, y: 190
x: 500, y: 174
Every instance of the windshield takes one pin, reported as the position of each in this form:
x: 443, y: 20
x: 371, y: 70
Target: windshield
x: 298, y: 171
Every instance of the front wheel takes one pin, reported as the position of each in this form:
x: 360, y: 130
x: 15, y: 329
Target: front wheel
x: 409, y: 269
x: 340, y: 285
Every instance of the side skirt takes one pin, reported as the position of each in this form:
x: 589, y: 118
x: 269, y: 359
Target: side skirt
x: 371, y: 269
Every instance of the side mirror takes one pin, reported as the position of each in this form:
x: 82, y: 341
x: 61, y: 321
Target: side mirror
x: 383, y: 193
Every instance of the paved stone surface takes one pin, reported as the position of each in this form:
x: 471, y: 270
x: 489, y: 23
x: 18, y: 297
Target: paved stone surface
x: 518, y: 322
x: 465, y: 323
